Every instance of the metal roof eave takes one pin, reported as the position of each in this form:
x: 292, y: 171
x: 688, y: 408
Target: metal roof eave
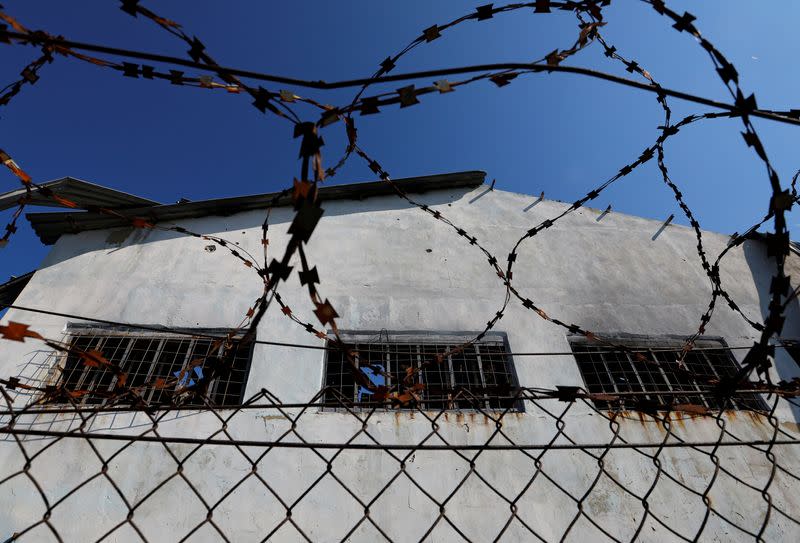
x: 50, y: 226
x: 81, y: 192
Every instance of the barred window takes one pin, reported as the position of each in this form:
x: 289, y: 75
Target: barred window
x: 610, y: 371
x: 481, y: 376
x: 149, y: 360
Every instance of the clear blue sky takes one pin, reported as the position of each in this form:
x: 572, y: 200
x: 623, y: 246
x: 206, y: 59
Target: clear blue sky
x: 559, y: 133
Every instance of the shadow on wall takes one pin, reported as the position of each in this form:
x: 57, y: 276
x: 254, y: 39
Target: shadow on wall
x: 113, y: 239
x: 763, y: 269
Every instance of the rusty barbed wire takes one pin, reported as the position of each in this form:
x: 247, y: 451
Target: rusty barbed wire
x: 407, y: 397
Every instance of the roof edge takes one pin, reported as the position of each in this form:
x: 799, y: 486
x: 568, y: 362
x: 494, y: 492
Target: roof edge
x: 50, y: 226
x: 79, y: 191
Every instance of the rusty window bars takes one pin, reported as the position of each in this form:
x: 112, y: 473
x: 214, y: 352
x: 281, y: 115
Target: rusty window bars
x: 154, y: 363
x: 615, y: 372
x: 483, y: 373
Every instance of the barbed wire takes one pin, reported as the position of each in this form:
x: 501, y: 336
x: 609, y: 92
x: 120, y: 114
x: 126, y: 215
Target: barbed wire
x: 35, y: 399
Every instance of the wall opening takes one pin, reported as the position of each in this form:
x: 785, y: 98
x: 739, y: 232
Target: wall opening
x: 655, y: 378
x: 159, y: 368
x: 482, y: 376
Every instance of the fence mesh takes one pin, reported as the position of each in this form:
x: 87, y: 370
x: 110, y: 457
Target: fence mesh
x: 437, y: 480
x: 187, y: 468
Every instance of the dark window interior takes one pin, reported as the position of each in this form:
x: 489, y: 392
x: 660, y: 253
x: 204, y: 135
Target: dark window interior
x: 610, y: 371
x: 146, y: 359
x: 481, y: 376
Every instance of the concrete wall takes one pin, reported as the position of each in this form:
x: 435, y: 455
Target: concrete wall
x: 384, y: 265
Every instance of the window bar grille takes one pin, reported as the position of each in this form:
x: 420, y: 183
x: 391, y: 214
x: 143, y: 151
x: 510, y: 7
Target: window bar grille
x: 389, y: 378
x: 123, y: 364
x: 420, y: 359
x: 451, y: 403
x: 706, y: 401
x: 85, y: 374
x: 85, y: 369
x: 150, y: 377
x: 486, y: 403
x: 662, y: 381
x: 667, y: 386
x: 608, y: 370
x: 474, y: 370
x: 638, y: 380
x: 701, y: 390
x: 144, y: 359
x: 213, y: 387
x: 671, y: 359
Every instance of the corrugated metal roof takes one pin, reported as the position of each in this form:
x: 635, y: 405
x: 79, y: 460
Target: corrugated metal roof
x: 81, y: 192
x: 50, y: 226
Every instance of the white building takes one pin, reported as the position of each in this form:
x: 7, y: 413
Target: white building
x: 401, y: 282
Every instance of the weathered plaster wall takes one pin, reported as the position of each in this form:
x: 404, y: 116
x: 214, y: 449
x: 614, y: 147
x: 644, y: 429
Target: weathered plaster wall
x: 610, y: 276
